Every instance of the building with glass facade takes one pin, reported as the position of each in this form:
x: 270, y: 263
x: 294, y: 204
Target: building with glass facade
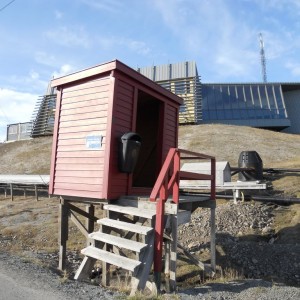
x: 257, y: 105
x: 273, y: 106
x: 264, y: 105
x: 183, y: 80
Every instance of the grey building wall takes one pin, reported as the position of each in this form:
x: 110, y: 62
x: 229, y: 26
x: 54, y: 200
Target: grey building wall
x: 18, y: 131
x: 292, y: 103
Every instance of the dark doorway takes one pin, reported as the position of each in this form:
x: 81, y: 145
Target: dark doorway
x: 148, y: 126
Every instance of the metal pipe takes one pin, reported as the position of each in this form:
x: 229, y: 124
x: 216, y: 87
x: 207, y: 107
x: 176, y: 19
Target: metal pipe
x: 290, y: 200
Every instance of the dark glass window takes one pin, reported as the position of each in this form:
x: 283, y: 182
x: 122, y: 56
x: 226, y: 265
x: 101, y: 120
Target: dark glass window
x: 271, y: 97
x: 278, y: 97
x: 255, y: 96
x: 251, y: 113
x: 233, y: 97
x: 238, y: 102
x: 248, y: 96
x: 182, y: 108
x: 179, y: 87
x: 241, y: 98
x: 228, y: 114
x: 263, y: 97
x: 226, y: 97
x: 213, y: 114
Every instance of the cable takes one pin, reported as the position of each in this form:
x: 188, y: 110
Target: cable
x: 2, y: 8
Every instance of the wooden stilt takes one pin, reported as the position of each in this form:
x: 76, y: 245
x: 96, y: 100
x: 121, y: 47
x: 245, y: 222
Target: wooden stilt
x: 173, y: 256
x: 63, y: 233
x: 36, y: 193
x: 11, y: 192
x: 105, y: 265
x: 213, y: 238
x: 90, y: 224
x: 167, y: 264
x: 24, y: 192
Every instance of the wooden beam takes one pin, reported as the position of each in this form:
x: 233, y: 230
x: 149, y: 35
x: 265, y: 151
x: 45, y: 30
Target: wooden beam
x: 82, y: 212
x: 213, y: 238
x: 11, y: 192
x: 78, y: 224
x: 173, y: 252
x: 36, y: 192
x: 90, y: 223
x: 85, y: 268
x: 63, y: 233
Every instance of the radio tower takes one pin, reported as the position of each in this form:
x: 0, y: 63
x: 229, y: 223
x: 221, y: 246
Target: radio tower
x: 262, y: 59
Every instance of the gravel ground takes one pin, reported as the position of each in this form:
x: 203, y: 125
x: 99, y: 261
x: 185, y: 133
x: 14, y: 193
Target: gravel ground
x: 246, y: 242
x: 242, y: 290
x: 50, y: 285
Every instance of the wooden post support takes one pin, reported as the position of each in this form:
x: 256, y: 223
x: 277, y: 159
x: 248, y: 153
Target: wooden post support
x: 36, y: 193
x: 105, y: 265
x: 5, y: 192
x: 173, y: 256
x: 11, y: 192
x: 213, y: 238
x: 63, y: 233
x: 90, y: 224
x: 167, y: 264
x: 24, y: 192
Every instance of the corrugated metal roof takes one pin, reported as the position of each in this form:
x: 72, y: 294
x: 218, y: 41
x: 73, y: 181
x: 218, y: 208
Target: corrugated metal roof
x: 170, y: 71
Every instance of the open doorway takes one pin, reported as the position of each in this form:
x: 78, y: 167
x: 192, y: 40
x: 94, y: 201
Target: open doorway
x: 149, y: 126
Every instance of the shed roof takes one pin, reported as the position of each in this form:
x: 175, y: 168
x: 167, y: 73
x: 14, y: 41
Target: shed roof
x: 110, y: 66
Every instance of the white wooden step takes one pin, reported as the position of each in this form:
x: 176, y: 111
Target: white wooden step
x: 125, y: 226
x: 118, y: 241
x: 133, y: 211
x: 111, y: 258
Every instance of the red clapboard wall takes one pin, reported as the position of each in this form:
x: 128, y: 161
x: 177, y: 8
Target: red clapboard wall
x: 94, y: 108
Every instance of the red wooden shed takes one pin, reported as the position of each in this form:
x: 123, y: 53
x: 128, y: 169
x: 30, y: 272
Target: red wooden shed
x: 95, y: 108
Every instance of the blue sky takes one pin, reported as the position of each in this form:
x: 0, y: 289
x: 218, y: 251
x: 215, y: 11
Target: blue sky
x: 41, y: 39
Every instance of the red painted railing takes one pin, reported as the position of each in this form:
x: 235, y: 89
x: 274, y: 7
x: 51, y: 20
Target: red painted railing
x: 167, y: 184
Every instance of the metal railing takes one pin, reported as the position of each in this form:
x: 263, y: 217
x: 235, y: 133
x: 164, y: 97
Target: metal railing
x: 167, y: 184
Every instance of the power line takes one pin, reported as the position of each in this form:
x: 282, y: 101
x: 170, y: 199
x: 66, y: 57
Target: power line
x: 8, y: 4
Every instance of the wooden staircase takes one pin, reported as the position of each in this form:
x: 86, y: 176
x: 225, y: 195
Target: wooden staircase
x: 126, y: 240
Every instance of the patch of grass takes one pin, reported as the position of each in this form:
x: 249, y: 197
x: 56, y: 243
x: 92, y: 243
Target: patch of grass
x: 225, y: 275
x: 65, y: 277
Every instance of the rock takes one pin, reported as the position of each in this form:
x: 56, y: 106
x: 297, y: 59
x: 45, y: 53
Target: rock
x: 255, y: 261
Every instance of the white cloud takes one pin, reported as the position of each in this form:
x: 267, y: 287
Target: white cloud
x: 32, y: 83
x: 45, y: 58
x: 58, y: 14
x: 280, y: 5
x: 15, y: 107
x: 63, y: 70
x: 136, y: 46
x: 294, y: 68
x: 64, y: 36
x: 226, y: 44
x: 114, y: 6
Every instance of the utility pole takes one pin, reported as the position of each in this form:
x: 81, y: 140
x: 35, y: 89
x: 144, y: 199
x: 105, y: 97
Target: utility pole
x: 262, y: 58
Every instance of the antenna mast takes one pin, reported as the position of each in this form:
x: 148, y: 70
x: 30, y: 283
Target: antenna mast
x: 262, y: 58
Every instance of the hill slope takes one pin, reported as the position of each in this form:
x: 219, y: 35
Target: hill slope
x: 225, y: 142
